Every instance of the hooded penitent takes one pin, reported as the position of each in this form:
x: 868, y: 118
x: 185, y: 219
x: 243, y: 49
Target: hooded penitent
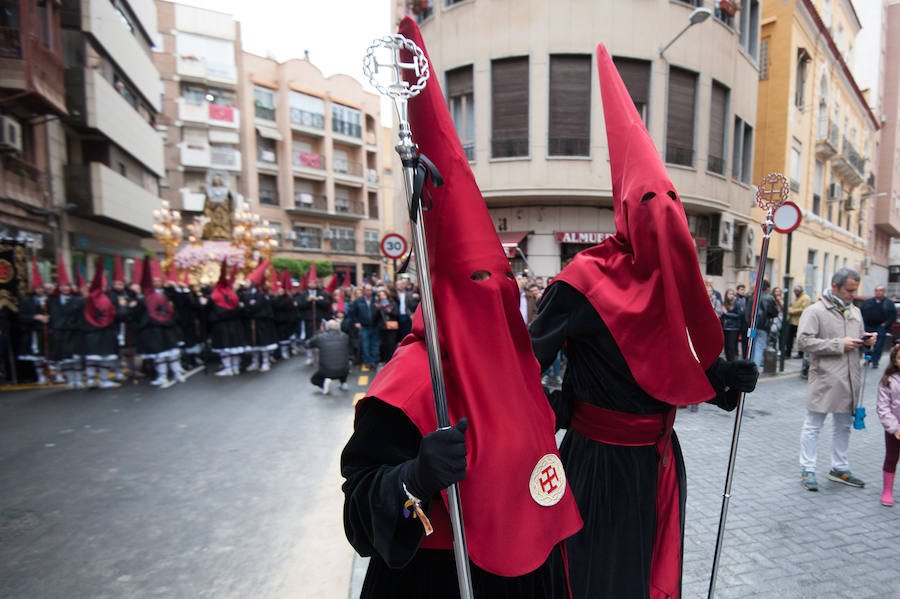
x: 159, y: 308
x: 98, y: 309
x: 516, y: 505
x: 82, y: 284
x: 223, y: 295
x: 286, y: 283
x: 62, y: 275
x: 118, y: 272
x: 311, y: 275
x: 258, y: 276
x: 137, y: 272
x: 36, y: 280
x: 645, y: 282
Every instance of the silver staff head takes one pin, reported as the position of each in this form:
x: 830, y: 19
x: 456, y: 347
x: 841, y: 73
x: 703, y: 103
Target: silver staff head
x: 384, y: 56
x: 773, y: 191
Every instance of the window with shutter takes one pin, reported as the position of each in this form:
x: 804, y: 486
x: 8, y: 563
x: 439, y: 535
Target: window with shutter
x: 636, y: 76
x: 718, y: 109
x: 680, y: 114
x: 461, y: 97
x: 570, y: 105
x: 509, y: 107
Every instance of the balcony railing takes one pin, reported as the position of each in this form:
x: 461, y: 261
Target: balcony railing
x: 308, y: 160
x: 225, y: 158
x: 10, y: 42
x: 194, y: 155
x: 348, y: 206
x: 307, y: 119
x: 509, y: 147
x: 264, y: 112
x: 715, y: 164
x: 346, y: 128
x: 373, y: 248
x: 568, y: 146
x: 345, y: 245
x: 348, y: 167
x: 268, y: 196
x: 373, y: 209
x: 311, y: 201
x: 267, y: 157
x: 679, y: 155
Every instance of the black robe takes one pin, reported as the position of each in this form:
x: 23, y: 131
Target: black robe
x: 259, y: 321
x: 33, y: 334
x: 103, y: 342
x: 286, y: 315
x: 614, y: 485
x: 152, y: 337
x: 383, y: 439
x: 186, y: 312
x: 227, y: 334
x: 65, y: 327
x: 320, y: 304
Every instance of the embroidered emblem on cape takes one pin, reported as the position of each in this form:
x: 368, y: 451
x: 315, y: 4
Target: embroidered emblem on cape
x: 548, y: 481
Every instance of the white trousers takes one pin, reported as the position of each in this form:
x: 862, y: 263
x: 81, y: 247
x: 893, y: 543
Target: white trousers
x: 840, y: 440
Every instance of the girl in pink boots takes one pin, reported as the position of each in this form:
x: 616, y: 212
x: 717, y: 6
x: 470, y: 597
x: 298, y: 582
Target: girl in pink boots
x: 888, y: 408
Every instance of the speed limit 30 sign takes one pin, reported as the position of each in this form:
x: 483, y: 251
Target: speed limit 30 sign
x: 393, y: 246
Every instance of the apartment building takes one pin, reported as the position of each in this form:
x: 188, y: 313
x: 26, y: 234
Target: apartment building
x: 521, y: 82
x: 110, y: 150
x: 198, y: 65
x: 816, y: 127
x: 32, y: 96
x: 312, y: 163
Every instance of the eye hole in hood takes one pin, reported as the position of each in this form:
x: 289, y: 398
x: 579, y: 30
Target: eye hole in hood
x: 480, y: 275
x: 648, y: 196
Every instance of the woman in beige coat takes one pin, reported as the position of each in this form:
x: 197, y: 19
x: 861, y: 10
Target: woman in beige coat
x: 831, y: 331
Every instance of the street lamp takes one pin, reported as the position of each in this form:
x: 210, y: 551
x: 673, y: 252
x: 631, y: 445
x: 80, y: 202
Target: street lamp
x: 697, y: 16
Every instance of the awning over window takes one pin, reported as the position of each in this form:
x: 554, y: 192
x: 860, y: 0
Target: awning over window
x: 269, y: 132
x: 510, y: 240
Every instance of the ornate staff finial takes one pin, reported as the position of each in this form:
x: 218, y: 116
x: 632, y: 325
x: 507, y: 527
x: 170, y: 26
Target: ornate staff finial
x: 396, y: 86
x: 773, y: 191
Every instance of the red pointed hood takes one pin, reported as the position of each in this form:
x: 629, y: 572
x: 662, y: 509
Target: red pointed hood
x: 36, y: 279
x: 223, y: 295
x: 155, y: 268
x: 258, y: 276
x: 118, y: 271
x: 98, y: 309
x: 62, y: 275
x: 301, y: 284
x: 341, y: 305
x: 286, y: 283
x: 332, y: 283
x: 137, y: 272
x: 645, y: 282
x: 82, y: 284
x: 493, y: 377
x: 311, y: 275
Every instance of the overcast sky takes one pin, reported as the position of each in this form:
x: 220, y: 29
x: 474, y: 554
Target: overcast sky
x: 868, y: 46
x: 336, y: 33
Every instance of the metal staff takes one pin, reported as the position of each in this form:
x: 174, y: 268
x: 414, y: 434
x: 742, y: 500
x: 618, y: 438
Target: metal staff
x: 770, y: 195
x: 400, y: 91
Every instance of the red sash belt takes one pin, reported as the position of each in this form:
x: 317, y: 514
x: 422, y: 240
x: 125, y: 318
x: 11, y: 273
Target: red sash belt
x: 633, y: 430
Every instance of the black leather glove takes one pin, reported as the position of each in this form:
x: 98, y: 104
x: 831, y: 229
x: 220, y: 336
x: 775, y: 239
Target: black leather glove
x: 738, y: 375
x: 440, y: 463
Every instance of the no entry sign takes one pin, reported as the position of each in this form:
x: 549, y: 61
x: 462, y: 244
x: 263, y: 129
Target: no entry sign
x: 393, y: 246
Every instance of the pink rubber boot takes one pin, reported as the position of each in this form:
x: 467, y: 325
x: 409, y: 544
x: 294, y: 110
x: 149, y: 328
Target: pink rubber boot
x: 887, y: 495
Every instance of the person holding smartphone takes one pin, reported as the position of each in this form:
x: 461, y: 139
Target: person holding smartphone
x: 831, y: 331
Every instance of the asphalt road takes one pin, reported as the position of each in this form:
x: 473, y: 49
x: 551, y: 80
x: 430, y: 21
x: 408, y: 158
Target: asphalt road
x: 219, y: 487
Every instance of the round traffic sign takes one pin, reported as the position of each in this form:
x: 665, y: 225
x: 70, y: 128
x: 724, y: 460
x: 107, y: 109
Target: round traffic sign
x: 787, y: 217
x: 393, y: 245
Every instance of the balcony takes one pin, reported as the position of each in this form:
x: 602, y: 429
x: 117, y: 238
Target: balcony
x: 308, y: 164
x: 196, y: 68
x: 227, y: 159
x: 312, y: 123
x: 886, y: 214
x: 110, y: 113
x: 22, y: 182
x: 827, y: 139
x: 192, y: 201
x: 348, y: 171
x: 849, y: 165
x: 371, y: 176
x: 99, y: 192
x: 193, y: 156
x: 31, y: 68
x: 309, y: 203
x: 208, y: 114
x: 348, y: 209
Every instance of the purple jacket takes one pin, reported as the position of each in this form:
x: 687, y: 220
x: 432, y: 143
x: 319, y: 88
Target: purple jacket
x: 888, y: 404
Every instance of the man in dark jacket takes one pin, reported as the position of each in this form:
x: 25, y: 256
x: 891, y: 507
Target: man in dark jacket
x: 314, y: 306
x: 878, y: 314
x: 364, y: 315
x: 407, y: 301
x: 334, y: 357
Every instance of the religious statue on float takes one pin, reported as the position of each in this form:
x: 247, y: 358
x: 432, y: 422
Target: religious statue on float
x: 218, y: 208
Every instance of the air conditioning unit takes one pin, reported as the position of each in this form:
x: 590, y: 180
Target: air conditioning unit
x: 721, y: 231
x: 746, y: 246
x: 834, y: 192
x: 10, y: 134
x: 327, y: 234
x: 851, y: 203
